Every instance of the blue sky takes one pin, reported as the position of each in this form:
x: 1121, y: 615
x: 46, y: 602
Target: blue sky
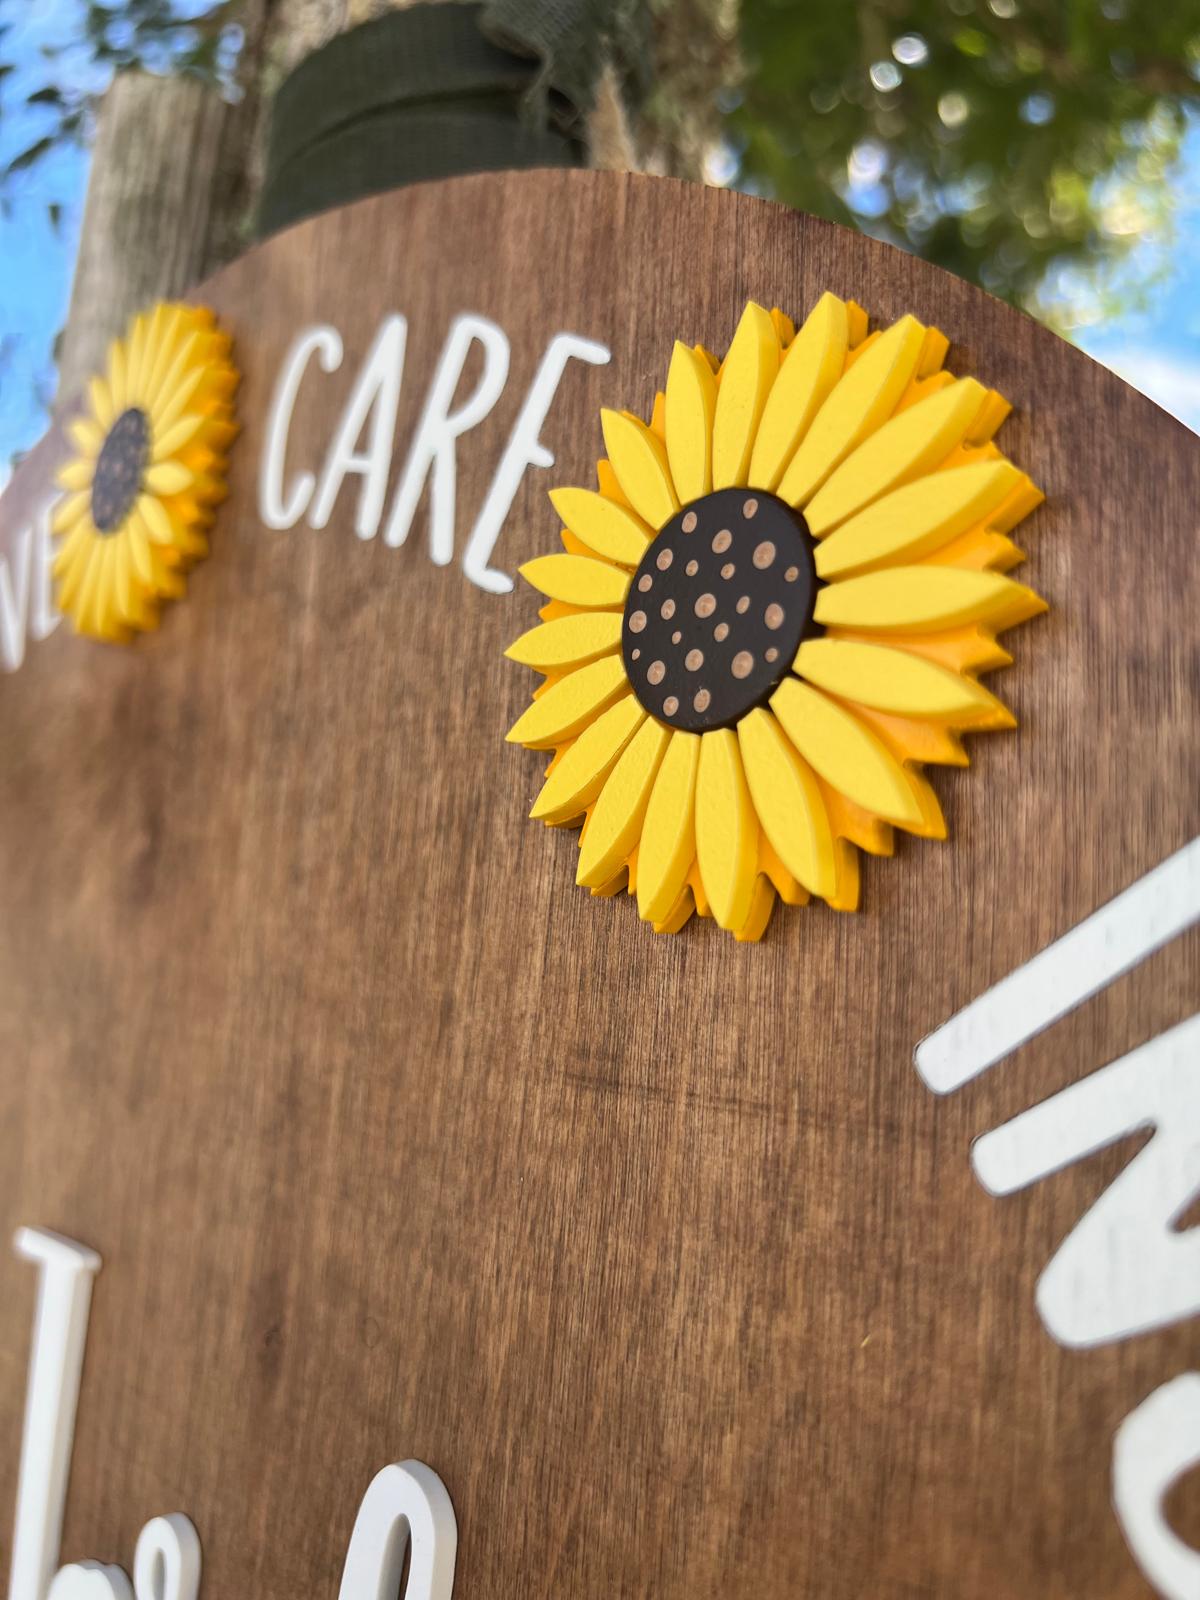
x: 1155, y: 346
x: 35, y: 252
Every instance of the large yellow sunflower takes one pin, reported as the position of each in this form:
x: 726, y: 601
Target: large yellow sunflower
x: 771, y: 614
x: 148, y: 473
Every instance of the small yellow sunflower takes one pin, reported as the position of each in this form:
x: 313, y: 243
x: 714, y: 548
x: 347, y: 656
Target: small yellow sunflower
x: 771, y: 614
x: 148, y: 473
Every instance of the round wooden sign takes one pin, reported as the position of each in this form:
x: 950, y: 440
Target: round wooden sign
x: 847, y: 1257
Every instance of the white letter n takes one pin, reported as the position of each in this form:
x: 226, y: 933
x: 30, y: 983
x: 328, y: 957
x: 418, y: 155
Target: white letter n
x: 1123, y: 1269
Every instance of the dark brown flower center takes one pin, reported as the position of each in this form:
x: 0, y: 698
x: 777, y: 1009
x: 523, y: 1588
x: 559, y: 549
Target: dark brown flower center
x: 117, y: 481
x: 718, y: 607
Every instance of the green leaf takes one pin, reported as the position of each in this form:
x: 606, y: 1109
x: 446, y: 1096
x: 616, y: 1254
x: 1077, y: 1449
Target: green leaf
x: 26, y: 158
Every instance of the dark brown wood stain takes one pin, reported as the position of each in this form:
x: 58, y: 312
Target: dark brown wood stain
x: 396, y: 1144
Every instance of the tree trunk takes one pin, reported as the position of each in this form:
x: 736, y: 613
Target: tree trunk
x: 153, y: 212
x: 177, y: 171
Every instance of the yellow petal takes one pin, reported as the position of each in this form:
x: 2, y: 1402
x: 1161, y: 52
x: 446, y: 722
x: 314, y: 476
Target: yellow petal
x: 156, y: 518
x: 101, y: 400
x: 173, y: 349
x: 73, y: 546
x: 787, y: 798
x: 762, y: 902
x: 135, y: 350
x: 576, y: 581
x: 907, y: 447
x: 77, y: 474
x: 579, y: 774
x: 668, y: 844
x: 639, y: 460
x: 118, y: 375
x: 914, y: 599
x: 751, y: 367
x: 173, y: 405
x: 897, y: 680
x: 98, y: 619
x: 81, y: 610
x: 602, y: 525
x: 88, y: 436
x: 141, y: 552
x: 691, y: 406
x: 155, y: 321
x: 73, y: 568
x: 847, y: 755
x: 812, y: 365
x: 568, y: 641
x: 862, y: 399
x: 168, y: 477
x: 615, y: 824
x: 726, y: 829
x: 127, y: 598
x: 917, y: 519
x: 570, y: 704
x: 170, y: 582
x: 169, y: 440
x: 69, y: 510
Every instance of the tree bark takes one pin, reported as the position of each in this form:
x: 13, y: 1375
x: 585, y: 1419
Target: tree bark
x: 153, y: 215
x: 177, y: 170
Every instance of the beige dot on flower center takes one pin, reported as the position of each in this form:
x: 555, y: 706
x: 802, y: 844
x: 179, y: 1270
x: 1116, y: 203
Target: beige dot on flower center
x: 764, y: 554
x: 728, y: 570
x: 702, y: 700
x: 742, y: 664
x: 664, y: 559
x: 689, y: 522
x: 792, y: 574
x: 743, y: 605
x: 670, y: 705
x: 774, y: 616
x: 692, y: 568
x: 645, y: 581
x: 676, y: 636
x: 655, y: 672
x: 705, y: 606
x: 668, y: 610
x: 637, y: 622
x: 721, y: 631
x: 694, y: 660
x: 750, y: 507
x: 772, y: 654
x: 722, y: 541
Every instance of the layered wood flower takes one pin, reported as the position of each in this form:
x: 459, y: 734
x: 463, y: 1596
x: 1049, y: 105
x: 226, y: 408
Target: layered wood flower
x: 772, y: 612
x: 148, y: 472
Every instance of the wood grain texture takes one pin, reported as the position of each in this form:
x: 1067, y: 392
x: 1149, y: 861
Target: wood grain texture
x: 394, y: 1143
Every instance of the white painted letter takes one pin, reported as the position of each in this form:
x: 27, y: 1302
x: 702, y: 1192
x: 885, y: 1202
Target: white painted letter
x: 326, y: 343
x: 376, y: 394
x: 166, y: 1566
x: 1156, y: 1444
x: 44, y: 615
x: 439, y: 427
x: 55, y: 1364
x: 1122, y: 933
x: 524, y: 449
x: 14, y: 599
x: 1123, y: 1269
x: 89, y: 1580
x: 403, y: 1503
x: 166, y: 1563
